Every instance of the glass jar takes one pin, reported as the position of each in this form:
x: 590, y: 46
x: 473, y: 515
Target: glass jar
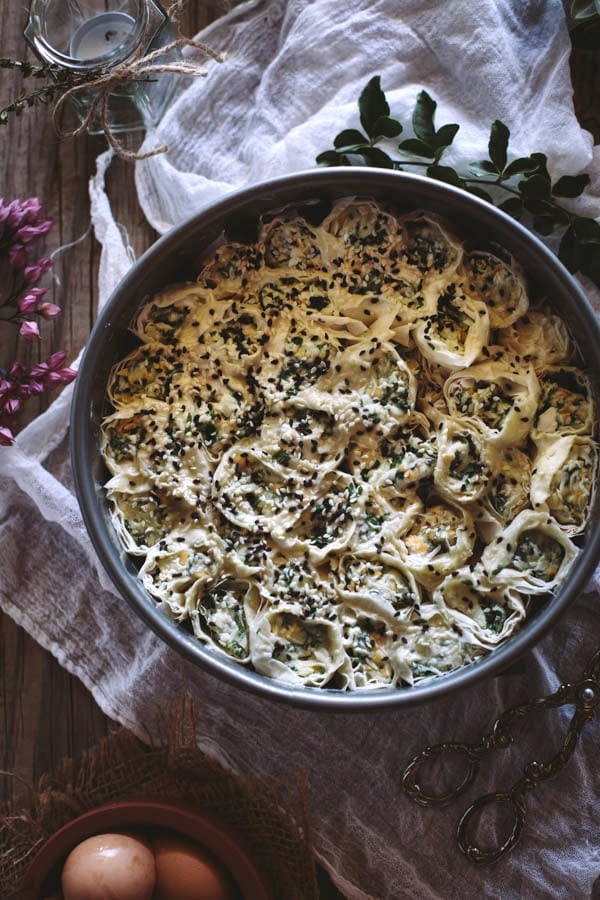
x: 96, y: 35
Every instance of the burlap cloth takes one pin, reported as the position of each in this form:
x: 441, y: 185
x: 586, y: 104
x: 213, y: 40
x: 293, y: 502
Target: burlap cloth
x: 268, y: 816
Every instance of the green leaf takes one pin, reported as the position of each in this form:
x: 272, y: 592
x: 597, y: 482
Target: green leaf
x: 513, y: 207
x: 498, y: 144
x: 329, y: 158
x: 518, y: 166
x: 569, y: 251
x: 541, y: 161
x: 478, y: 192
x: 416, y: 148
x: 446, y: 174
x: 535, y: 207
x: 535, y: 187
x: 544, y: 224
x: 387, y: 128
x: 587, y: 230
x: 353, y: 148
x: 349, y: 137
x: 445, y: 135
x: 570, y: 185
x: 590, y: 266
x: 483, y: 167
x: 372, y: 105
x: 422, y: 118
x: 560, y: 215
x: 373, y: 156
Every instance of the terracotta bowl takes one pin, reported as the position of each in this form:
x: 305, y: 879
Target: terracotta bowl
x: 42, y: 877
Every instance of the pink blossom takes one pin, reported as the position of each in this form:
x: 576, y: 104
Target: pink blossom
x: 21, y: 223
x: 30, y: 300
x: 33, y: 273
x: 22, y: 220
x: 49, y: 310
x: 17, y: 255
x: 6, y: 437
x: 52, y: 372
x: 30, y: 331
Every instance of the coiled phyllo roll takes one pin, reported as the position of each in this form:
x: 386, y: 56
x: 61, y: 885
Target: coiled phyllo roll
x: 352, y: 450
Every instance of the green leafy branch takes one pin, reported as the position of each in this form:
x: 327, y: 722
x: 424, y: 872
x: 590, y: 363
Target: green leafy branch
x: 57, y: 81
x: 522, y: 185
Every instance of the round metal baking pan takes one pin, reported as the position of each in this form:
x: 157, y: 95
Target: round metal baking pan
x: 177, y: 256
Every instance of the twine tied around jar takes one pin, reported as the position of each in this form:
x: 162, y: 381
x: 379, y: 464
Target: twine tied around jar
x: 141, y: 66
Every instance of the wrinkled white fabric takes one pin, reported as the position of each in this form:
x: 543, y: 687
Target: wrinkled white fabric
x: 290, y: 78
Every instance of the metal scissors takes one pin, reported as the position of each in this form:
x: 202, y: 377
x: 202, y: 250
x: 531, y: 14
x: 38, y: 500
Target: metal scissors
x: 584, y: 695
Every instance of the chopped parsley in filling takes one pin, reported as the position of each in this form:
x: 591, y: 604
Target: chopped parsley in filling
x: 427, y: 247
x: 538, y: 554
x: 223, y: 617
x: 486, y: 400
x: 564, y: 403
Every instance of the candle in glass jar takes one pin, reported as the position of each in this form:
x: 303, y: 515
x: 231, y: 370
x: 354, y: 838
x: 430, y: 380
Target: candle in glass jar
x: 101, y: 34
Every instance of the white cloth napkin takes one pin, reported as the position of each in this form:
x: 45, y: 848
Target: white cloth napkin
x: 289, y: 82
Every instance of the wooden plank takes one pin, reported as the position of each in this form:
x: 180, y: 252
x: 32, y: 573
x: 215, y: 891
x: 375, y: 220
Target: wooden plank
x: 46, y: 714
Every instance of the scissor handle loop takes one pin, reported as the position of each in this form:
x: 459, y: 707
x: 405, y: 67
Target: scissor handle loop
x: 424, y: 760
x: 491, y: 854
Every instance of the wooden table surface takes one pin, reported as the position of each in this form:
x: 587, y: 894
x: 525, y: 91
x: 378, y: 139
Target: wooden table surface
x: 45, y: 714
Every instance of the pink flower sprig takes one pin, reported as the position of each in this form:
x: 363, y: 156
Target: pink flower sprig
x: 22, y: 222
x: 21, y: 382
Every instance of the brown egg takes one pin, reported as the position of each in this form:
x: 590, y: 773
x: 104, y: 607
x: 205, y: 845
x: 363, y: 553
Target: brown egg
x: 185, y: 871
x: 117, y: 866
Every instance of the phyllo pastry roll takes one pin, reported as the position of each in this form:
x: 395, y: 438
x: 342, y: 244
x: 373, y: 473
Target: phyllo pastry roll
x: 162, y: 318
x: 499, y: 397
x: 403, y: 458
x: 483, y: 613
x: 428, y: 247
x: 383, y: 516
x: 147, y: 439
x: 508, y: 490
x: 297, y: 649
x: 371, y: 646
x: 231, y: 268
x: 430, y: 645
x: 500, y: 286
x: 252, y: 489
x: 564, y: 480
x: 178, y: 569
x: 142, y: 514
x: 441, y: 538
x: 532, y: 555
x: 456, y: 333
x: 540, y: 337
x: 220, y: 616
x: 565, y: 406
x: 327, y: 520
x: 465, y: 461
x: 151, y: 370
x: 290, y: 244
x: 382, y: 587
x: 367, y: 385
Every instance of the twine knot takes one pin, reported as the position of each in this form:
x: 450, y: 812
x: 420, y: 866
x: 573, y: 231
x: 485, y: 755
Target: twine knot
x: 139, y: 67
